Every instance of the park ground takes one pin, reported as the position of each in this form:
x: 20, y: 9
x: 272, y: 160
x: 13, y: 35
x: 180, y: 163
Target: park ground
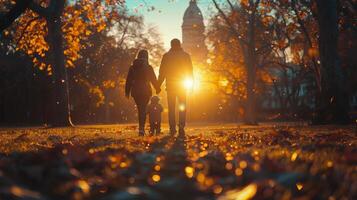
x: 111, y: 162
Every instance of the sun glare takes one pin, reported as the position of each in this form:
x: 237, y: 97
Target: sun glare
x: 193, y: 84
x: 188, y: 83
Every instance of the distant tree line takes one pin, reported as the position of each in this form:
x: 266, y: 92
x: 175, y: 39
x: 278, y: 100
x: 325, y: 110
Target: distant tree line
x: 65, y: 61
x: 285, y: 44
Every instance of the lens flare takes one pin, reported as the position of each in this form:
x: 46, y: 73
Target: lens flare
x: 188, y: 83
x: 182, y: 107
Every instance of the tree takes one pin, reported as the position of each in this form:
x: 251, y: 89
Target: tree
x: 255, y: 28
x: 246, y: 37
x: 334, y: 101
x: 283, y: 58
x: 51, y: 32
x: 101, y: 71
x: 296, y: 49
x: 97, y: 78
x: 348, y: 44
x: 320, y: 24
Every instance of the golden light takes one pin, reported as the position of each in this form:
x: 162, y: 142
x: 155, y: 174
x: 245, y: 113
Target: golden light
x: 156, y: 178
x: 329, y: 163
x: 299, y: 186
x: 217, y: 189
x: 182, y: 107
x: 123, y: 164
x: 229, y: 166
x: 189, y: 171
x: 198, y: 81
x: 238, y: 172
x: 243, y: 164
x: 224, y: 82
x: 188, y: 83
x: 245, y: 194
x: 84, y: 186
x: 157, y: 167
x: 294, y: 156
x: 201, y: 177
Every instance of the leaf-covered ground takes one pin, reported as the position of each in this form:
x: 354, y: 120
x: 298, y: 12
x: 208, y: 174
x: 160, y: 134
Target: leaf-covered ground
x: 209, y: 162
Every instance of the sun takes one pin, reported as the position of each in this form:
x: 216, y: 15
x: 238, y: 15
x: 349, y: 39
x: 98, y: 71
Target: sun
x: 188, y: 83
x: 192, y: 84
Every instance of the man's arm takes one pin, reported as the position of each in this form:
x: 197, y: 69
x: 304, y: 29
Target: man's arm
x: 162, y: 71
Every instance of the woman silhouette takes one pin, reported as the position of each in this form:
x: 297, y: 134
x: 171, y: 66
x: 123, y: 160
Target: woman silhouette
x: 140, y: 75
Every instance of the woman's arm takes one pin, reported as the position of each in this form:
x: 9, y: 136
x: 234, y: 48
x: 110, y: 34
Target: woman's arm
x: 162, y: 70
x: 153, y: 79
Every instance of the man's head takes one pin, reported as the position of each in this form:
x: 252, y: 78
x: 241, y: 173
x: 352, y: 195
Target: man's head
x: 175, y: 44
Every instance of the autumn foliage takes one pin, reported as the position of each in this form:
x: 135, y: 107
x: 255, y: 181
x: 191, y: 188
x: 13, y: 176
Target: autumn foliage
x: 264, y: 60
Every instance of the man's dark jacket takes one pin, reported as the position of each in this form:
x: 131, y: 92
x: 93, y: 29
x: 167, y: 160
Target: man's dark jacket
x: 176, y: 66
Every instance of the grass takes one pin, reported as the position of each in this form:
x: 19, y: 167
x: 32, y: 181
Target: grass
x: 271, y: 161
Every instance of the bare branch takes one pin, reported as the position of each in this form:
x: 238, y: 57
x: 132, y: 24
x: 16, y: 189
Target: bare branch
x: 124, y: 33
x: 307, y: 36
x: 230, y: 5
x: 229, y: 23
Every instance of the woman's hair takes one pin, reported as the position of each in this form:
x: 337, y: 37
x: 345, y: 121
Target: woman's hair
x: 143, y: 54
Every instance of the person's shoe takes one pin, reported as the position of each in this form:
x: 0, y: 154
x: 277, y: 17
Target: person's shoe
x: 141, y: 133
x: 152, y: 132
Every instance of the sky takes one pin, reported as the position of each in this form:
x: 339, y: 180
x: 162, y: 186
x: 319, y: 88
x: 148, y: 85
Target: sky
x: 167, y: 15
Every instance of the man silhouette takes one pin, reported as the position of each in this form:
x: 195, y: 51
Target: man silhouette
x: 175, y: 68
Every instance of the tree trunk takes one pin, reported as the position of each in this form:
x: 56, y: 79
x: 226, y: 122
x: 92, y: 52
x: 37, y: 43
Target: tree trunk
x: 333, y: 103
x: 249, y: 54
x: 60, y: 112
x: 2, y: 109
x: 250, y: 62
x: 250, y: 116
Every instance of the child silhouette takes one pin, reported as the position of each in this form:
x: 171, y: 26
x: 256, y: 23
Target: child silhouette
x: 154, y: 110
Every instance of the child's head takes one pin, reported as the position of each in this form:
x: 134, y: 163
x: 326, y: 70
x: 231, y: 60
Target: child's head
x: 155, y: 100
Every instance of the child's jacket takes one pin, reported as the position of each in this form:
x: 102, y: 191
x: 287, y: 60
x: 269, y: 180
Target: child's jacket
x: 154, y: 111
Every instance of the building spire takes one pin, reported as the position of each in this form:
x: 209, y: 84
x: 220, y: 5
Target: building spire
x: 193, y: 28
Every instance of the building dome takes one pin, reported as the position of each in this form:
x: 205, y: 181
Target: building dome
x: 193, y: 37
x: 193, y: 15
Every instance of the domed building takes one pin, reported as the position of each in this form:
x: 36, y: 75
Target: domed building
x: 193, y: 37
